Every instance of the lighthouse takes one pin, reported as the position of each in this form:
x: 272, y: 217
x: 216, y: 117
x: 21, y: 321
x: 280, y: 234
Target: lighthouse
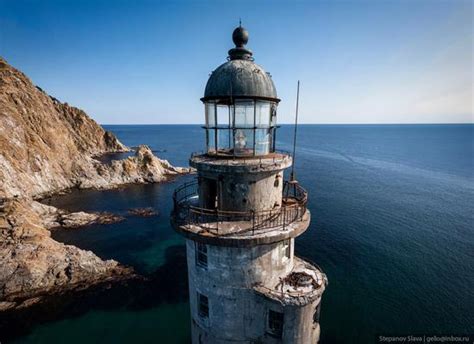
x: 240, y: 218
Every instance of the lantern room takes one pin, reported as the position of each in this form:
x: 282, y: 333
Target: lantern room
x: 240, y: 105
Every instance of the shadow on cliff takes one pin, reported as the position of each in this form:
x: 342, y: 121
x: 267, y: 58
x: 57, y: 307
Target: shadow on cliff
x: 167, y: 285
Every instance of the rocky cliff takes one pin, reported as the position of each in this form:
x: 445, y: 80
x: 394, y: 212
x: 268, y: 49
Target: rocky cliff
x: 45, y: 147
x: 32, y: 263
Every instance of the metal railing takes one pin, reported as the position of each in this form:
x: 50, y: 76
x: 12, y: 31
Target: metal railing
x: 277, y: 156
x: 187, y: 211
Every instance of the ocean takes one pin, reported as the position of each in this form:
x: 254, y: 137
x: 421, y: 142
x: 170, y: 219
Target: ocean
x: 392, y: 227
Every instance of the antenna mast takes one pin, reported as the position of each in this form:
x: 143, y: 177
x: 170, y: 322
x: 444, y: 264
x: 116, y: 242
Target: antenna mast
x: 292, y: 176
x: 231, y: 117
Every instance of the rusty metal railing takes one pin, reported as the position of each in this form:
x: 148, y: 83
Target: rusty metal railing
x: 277, y: 156
x: 187, y: 211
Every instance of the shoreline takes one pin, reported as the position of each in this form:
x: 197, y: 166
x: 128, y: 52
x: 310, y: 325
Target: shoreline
x: 114, y: 271
x: 166, y: 285
x: 33, y: 265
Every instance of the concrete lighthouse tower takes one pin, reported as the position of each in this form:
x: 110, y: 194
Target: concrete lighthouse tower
x: 240, y: 218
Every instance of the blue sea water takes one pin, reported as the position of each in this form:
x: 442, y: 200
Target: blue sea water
x: 392, y: 227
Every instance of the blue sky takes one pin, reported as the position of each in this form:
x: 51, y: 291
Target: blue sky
x: 144, y: 62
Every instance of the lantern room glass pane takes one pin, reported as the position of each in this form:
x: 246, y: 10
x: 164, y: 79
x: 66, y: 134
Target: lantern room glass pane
x: 262, y: 114
x: 244, y: 114
x: 212, y: 140
x: 210, y: 114
x: 273, y: 115
x: 262, y: 141
x: 243, y: 142
x: 224, y: 141
x: 223, y: 116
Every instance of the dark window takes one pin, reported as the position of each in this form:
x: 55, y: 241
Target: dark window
x: 317, y: 313
x: 208, y: 192
x: 201, y: 255
x: 288, y: 248
x: 277, y: 181
x: 203, y: 306
x: 275, y: 323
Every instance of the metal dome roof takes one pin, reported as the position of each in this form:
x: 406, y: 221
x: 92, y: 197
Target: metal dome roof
x: 240, y: 77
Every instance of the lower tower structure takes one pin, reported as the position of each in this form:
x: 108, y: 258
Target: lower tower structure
x: 240, y: 219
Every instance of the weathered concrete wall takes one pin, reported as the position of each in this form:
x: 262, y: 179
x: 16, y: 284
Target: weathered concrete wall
x: 299, y: 324
x: 236, y: 312
x: 242, y: 192
x: 242, y: 267
x: 227, y: 283
x: 298, y: 328
x: 256, y: 332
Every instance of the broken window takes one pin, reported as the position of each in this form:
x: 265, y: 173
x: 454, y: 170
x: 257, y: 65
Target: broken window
x: 201, y: 255
x: 287, y: 248
x: 275, y: 323
x: 317, y: 313
x: 203, y: 305
x: 277, y: 181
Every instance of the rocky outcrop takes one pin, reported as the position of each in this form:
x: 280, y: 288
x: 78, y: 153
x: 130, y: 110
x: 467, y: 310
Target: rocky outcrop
x: 31, y: 263
x: 144, y: 212
x: 46, y: 147
x: 52, y: 217
x: 144, y: 167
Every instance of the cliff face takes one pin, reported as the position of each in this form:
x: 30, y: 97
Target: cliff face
x: 45, y: 145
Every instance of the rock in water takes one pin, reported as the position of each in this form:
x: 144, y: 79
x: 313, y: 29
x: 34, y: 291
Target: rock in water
x: 145, y: 212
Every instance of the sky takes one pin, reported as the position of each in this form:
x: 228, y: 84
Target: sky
x: 147, y: 62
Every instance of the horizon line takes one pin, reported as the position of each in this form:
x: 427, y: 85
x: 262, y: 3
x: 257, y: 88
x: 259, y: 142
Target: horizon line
x: 201, y: 124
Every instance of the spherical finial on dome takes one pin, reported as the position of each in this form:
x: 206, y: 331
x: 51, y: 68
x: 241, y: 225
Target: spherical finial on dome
x: 240, y: 36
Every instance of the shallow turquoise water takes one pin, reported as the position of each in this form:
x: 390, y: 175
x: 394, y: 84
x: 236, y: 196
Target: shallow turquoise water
x: 392, y: 210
